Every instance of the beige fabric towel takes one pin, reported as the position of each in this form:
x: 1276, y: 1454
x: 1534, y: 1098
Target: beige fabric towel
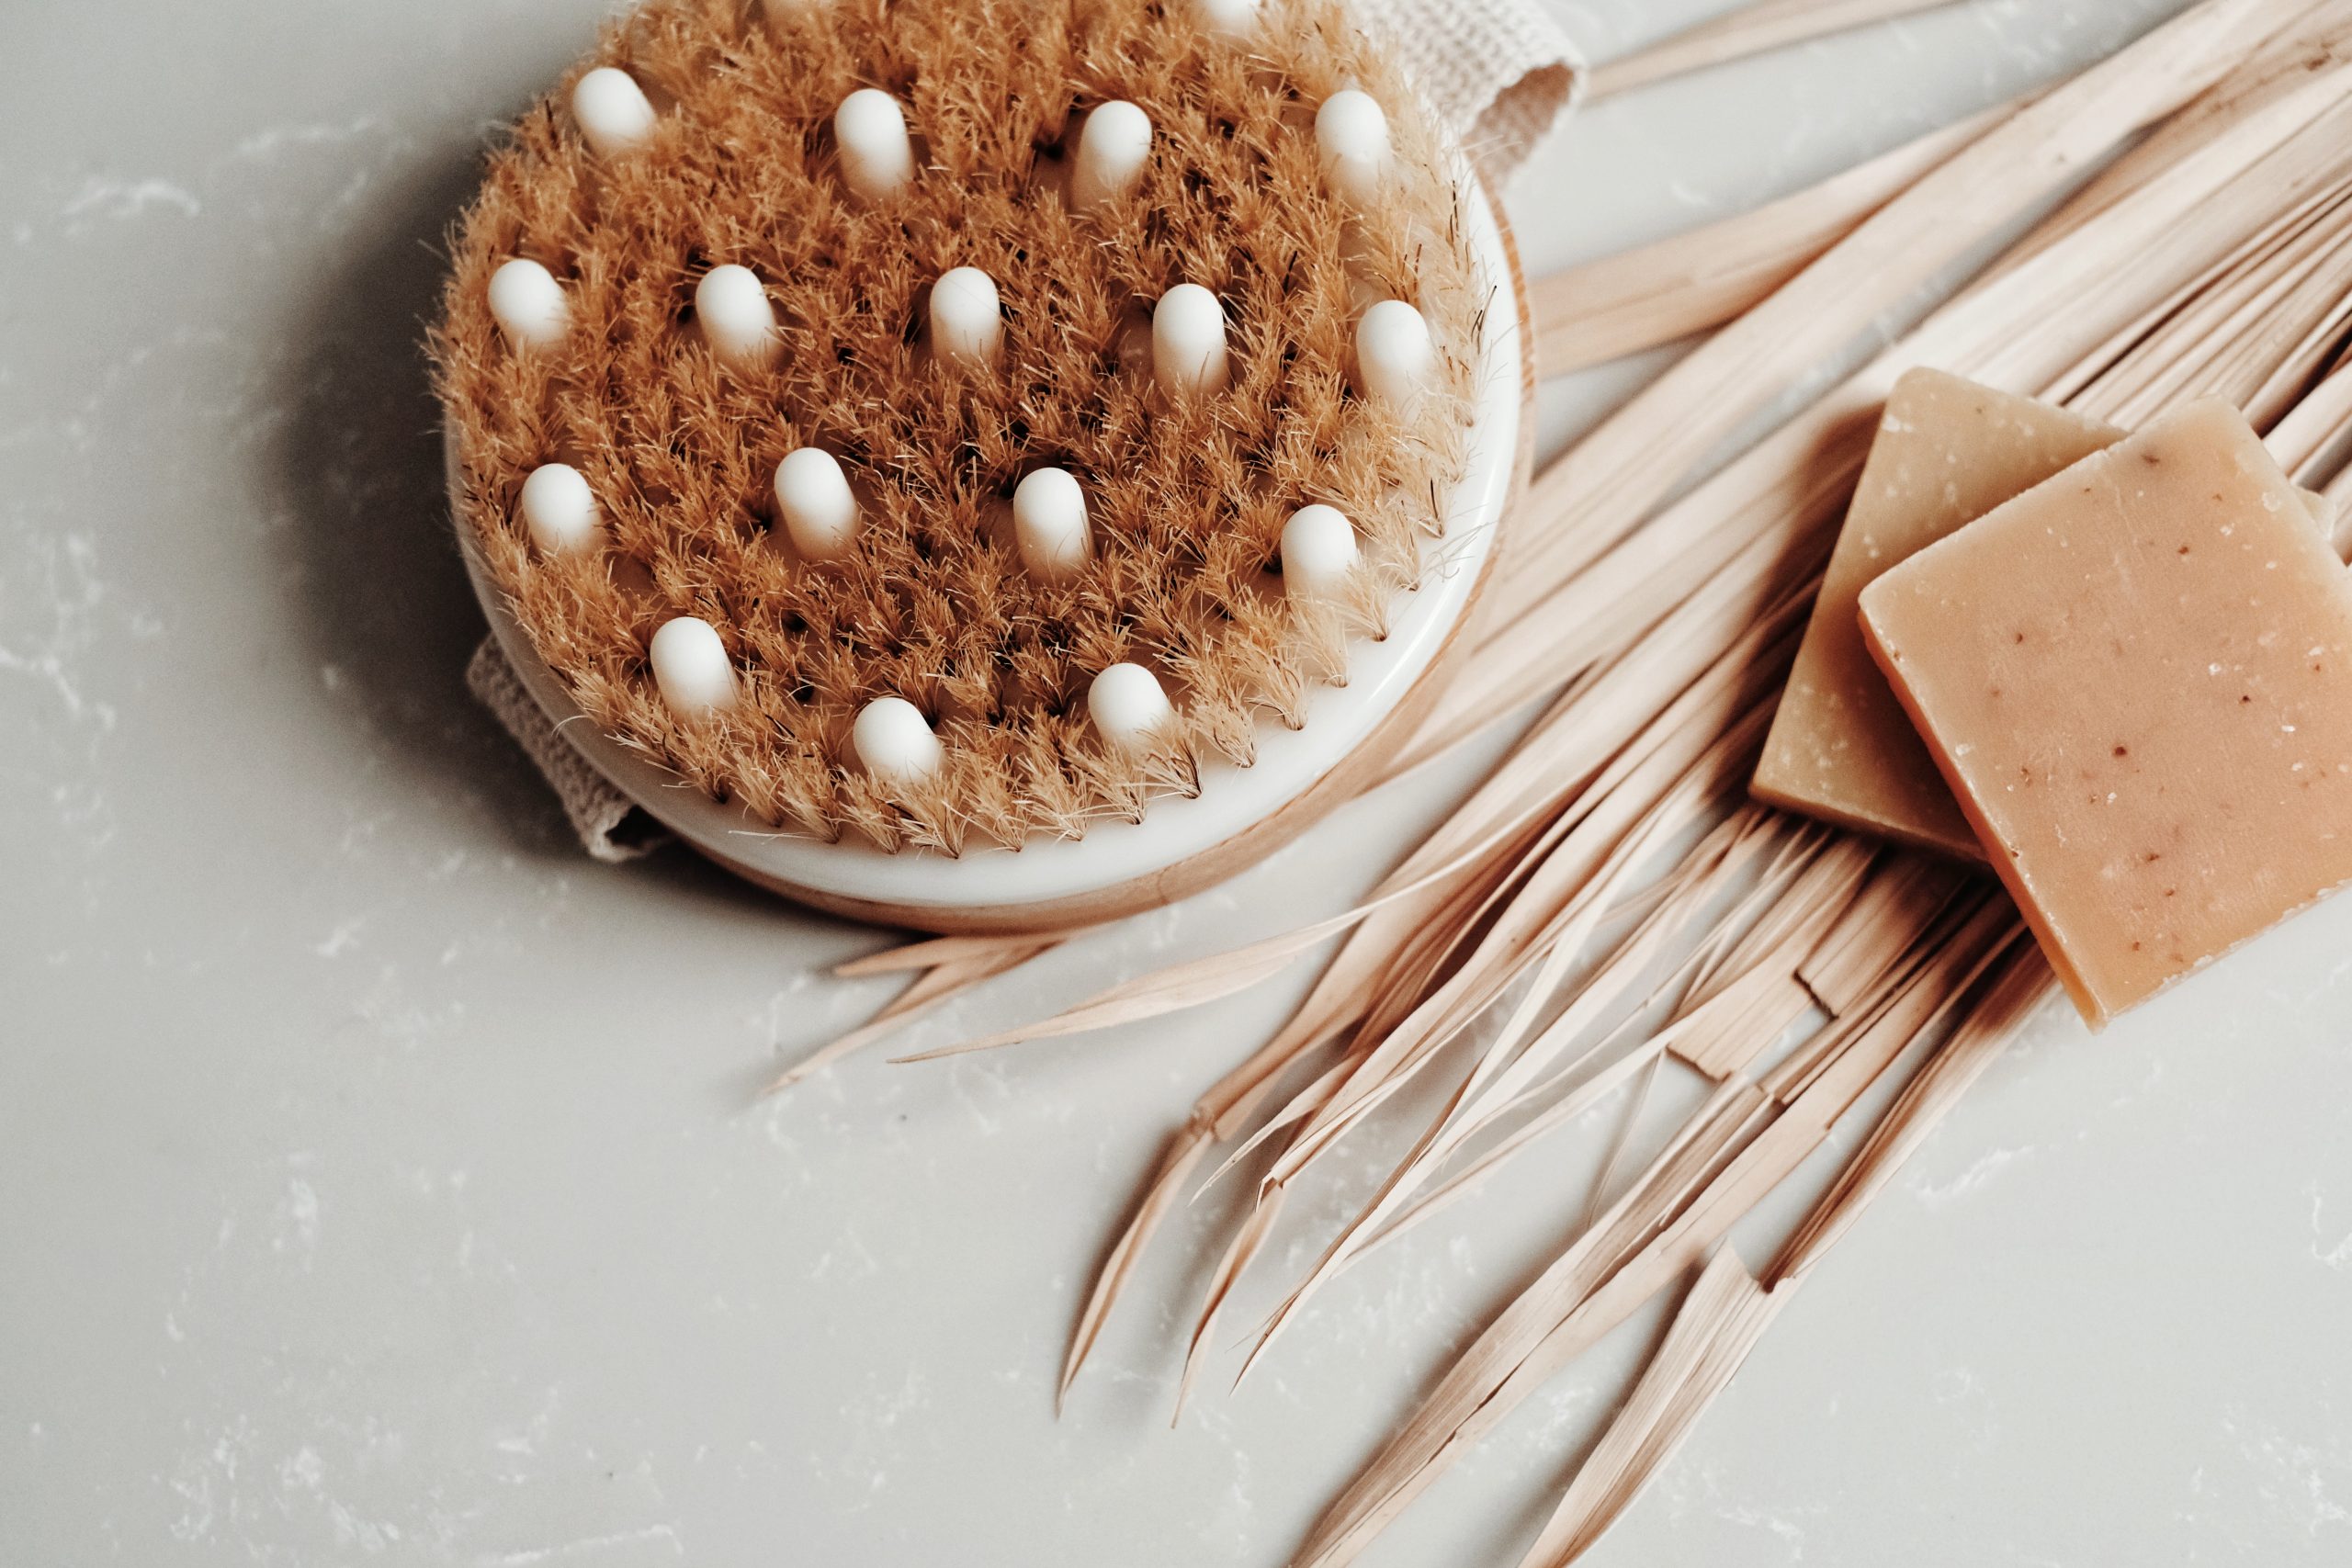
x: 1502, y: 72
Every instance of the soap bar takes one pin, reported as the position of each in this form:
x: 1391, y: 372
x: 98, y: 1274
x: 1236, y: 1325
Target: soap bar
x: 1947, y: 452
x: 2137, y: 678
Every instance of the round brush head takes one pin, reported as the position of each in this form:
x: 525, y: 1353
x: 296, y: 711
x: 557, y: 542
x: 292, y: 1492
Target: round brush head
x: 945, y: 355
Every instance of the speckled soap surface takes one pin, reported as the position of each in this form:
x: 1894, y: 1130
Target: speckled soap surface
x: 380, y: 1179
x: 2138, y: 678
x: 1842, y: 748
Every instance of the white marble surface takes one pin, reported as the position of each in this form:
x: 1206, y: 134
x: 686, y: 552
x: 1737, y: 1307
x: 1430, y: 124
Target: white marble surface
x: 378, y: 1179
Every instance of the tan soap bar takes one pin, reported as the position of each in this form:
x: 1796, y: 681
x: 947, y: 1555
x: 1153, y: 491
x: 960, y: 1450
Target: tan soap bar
x: 2137, y: 678
x: 1947, y: 452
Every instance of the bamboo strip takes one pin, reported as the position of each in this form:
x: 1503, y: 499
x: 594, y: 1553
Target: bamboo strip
x: 1655, y: 294
x: 2102, y: 362
x: 1587, y: 1292
x: 1593, y: 496
x: 2307, y: 441
x: 1700, y: 743
x: 2247, y: 322
x: 1720, y: 1322
x: 1759, y: 996
x: 1384, y: 1072
x: 964, y: 970
x: 2019, y: 985
x: 1716, y: 1329
x: 1458, y: 1124
x: 1745, y: 30
x: 1751, y: 832
x: 1972, y: 919
x: 1722, y: 946
x: 2277, y: 72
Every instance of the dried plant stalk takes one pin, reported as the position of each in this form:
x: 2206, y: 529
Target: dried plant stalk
x: 1400, y: 1055
x: 2214, y: 345
x: 1758, y: 995
x: 2015, y: 992
x: 1745, y: 30
x: 1639, y: 299
x: 938, y: 984
x: 1728, y: 1309
x: 2307, y: 440
x: 1739, y: 1149
x: 1904, y: 895
x: 1593, y: 496
x: 1720, y: 1320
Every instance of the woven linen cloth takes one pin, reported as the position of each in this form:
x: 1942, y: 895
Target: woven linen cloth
x: 1500, y: 72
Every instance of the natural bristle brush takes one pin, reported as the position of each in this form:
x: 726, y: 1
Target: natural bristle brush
x: 890, y: 435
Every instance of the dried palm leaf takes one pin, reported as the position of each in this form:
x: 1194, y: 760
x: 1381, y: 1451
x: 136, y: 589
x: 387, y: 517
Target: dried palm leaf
x: 1655, y: 294
x: 1743, y: 31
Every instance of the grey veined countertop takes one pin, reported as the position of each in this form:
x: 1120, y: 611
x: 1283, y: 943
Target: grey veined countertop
x: 380, y: 1179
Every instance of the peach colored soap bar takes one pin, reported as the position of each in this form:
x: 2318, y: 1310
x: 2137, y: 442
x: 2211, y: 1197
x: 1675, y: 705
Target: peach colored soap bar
x: 2138, y: 680
x: 1947, y: 452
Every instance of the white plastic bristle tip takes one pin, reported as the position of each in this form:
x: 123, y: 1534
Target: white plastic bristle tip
x: 1352, y: 143
x: 966, y: 324
x: 558, y: 509
x: 691, y: 668
x: 814, y: 499
x: 1229, y: 18
x: 528, y: 304
x: 1188, y: 340
x: 1049, y: 524
x: 1394, y: 354
x: 1113, y: 147
x: 878, y: 156
x: 894, y: 744
x: 737, y: 320
x: 1128, y: 706
x: 614, y: 113
x: 1318, y: 552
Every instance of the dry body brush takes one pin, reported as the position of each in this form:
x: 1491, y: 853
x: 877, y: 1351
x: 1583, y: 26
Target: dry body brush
x: 735, y: 160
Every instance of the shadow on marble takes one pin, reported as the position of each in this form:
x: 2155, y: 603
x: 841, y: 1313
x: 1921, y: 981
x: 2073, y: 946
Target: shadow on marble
x: 379, y: 589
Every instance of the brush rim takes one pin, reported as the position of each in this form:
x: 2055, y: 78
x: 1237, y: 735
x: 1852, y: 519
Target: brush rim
x: 1182, y: 844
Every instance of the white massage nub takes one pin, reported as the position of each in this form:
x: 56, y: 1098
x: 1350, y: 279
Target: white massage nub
x: 1394, y: 354
x: 877, y: 155
x: 1129, y: 707
x: 893, y: 743
x: 558, y: 509
x: 736, y: 317
x: 1352, y: 143
x: 813, y: 496
x: 1113, y: 147
x: 1320, y: 552
x: 966, y: 325
x: 528, y: 304
x: 612, y: 111
x: 690, y: 669
x: 1188, y: 355
x: 1228, y: 19
x: 1049, y: 525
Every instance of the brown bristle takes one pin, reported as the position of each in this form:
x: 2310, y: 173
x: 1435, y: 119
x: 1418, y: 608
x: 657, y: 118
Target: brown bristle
x: 1187, y: 496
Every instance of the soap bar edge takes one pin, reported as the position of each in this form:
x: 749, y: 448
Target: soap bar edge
x: 2003, y: 865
